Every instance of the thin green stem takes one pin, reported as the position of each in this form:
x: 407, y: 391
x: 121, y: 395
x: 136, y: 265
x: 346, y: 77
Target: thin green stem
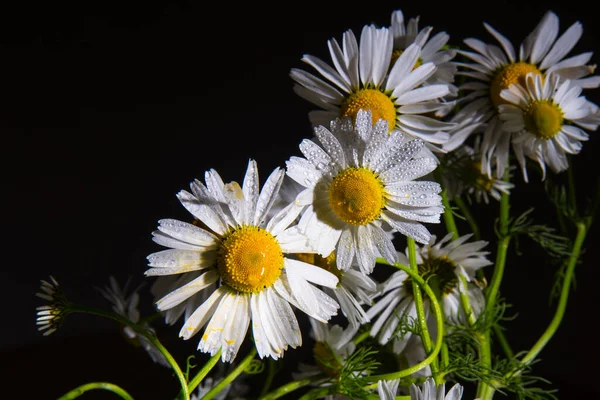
x: 418, y: 298
x: 206, y: 368
x: 449, y: 215
x: 499, y: 334
x: 484, y: 391
x: 315, y: 394
x: 361, y: 337
x: 468, y: 216
x: 78, y: 391
x: 271, y: 370
x: 232, y: 375
x: 288, y: 388
x: 439, y: 318
x: 142, y: 331
x: 465, y: 302
x: 564, y: 296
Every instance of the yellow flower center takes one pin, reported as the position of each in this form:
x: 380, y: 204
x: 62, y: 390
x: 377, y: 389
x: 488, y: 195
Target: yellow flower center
x: 250, y: 259
x: 506, y: 76
x: 482, y: 180
x: 543, y: 118
x: 327, y: 263
x: 380, y: 105
x: 397, y: 53
x: 326, y: 359
x: 356, y: 196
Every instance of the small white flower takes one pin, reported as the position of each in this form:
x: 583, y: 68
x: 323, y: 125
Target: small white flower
x: 441, y: 264
x: 544, y: 117
x: 237, y: 246
x: 50, y: 316
x: 430, y: 391
x: 365, y: 77
x: 358, y: 178
x: 125, y: 303
x: 496, y: 68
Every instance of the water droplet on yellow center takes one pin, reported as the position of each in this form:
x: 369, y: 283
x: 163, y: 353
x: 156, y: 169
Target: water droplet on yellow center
x: 250, y: 259
x: 506, y: 76
x: 380, y: 105
x: 543, y: 118
x: 356, y: 196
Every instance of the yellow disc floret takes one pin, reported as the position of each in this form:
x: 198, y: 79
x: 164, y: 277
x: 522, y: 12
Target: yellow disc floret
x: 250, y: 259
x: 543, y: 118
x: 506, y: 76
x: 327, y: 263
x: 356, y: 196
x: 380, y: 105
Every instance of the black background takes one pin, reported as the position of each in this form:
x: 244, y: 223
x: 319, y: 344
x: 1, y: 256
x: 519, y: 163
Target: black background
x: 110, y: 108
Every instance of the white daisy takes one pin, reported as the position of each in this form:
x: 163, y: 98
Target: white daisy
x: 333, y: 346
x: 543, y: 117
x: 433, y: 50
x: 244, y: 252
x: 125, y: 303
x: 461, y: 174
x: 441, y: 265
x: 364, y: 78
x: 50, y: 316
x: 353, y: 291
x: 496, y: 68
x: 356, y: 178
x: 430, y: 391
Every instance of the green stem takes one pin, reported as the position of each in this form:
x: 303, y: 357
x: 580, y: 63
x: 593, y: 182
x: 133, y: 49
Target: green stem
x: 78, y: 391
x: 203, y: 372
x: 449, y: 215
x: 499, y: 334
x: 315, y: 394
x: 288, y: 388
x: 484, y: 391
x: 232, y: 375
x: 439, y: 318
x: 466, y: 303
x: 270, y: 375
x: 142, y: 331
x: 564, y: 296
x: 362, y: 337
x: 418, y: 297
x: 468, y: 216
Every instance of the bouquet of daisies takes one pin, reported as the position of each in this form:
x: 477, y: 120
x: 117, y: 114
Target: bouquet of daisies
x: 408, y: 131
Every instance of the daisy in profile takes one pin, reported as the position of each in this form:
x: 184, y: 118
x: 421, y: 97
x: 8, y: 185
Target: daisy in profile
x: 244, y: 253
x: 364, y: 77
x: 353, y: 291
x: 496, y: 68
x: 461, y: 175
x: 433, y: 49
x: 51, y: 316
x: 543, y: 117
x: 333, y: 346
x: 125, y: 303
x: 427, y: 391
x: 358, y: 177
x: 441, y: 264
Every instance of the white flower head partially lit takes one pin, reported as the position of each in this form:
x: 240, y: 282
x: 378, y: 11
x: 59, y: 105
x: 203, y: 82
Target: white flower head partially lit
x: 365, y: 77
x: 544, y: 117
x: 496, y: 68
x: 244, y: 252
x: 406, y: 32
x: 442, y: 265
x: 124, y: 302
x: 51, y: 316
x: 357, y: 178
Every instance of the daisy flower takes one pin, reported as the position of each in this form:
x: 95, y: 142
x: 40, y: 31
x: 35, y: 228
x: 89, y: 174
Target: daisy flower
x: 428, y: 391
x: 543, y: 117
x: 461, y: 174
x: 441, y: 264
x: 496, y: 68
x: 333, y: 346
x: 433, y: 50
x: 51, y: 316
x: 353, y: 291
x: 245, y: 254
x: 125, y: 303
x: 356, y: 178
x: 365, y: 77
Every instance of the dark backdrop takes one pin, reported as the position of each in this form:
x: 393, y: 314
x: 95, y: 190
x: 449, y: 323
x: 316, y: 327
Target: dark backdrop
x: 113, y: 107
